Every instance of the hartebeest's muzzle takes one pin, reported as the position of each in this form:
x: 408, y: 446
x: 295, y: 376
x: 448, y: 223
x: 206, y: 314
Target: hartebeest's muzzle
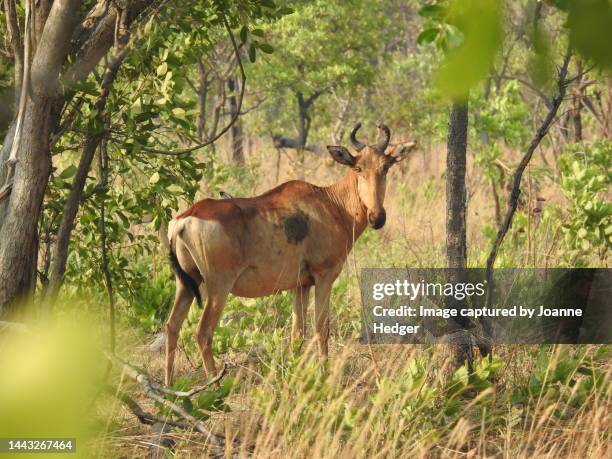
x: 377, y: 219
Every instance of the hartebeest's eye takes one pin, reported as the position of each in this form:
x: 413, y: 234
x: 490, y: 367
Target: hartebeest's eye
x: 357, y: 169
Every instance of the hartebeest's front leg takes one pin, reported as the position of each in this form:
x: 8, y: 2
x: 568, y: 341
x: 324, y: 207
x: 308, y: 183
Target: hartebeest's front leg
x: 322, y: 294
x: 323, y: 287
x: 300, y: 307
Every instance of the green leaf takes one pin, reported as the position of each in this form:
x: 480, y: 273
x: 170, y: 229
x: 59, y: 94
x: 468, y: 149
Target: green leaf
x: 206, y: 400
x: 162, y: 69
x: 285, y: 10
x: 590, y: 22
x: 186, y: 402
x: 252, y: 53
x: 258, y: 32
x: 68, y: 172
x: 243, y: 34
x: 174, y: 189
x: 432, y: 11
x: 154, y: 178
x: 563, y: 5
x: 428, y: 35
x: 266, y: 48
x: 480, y: 23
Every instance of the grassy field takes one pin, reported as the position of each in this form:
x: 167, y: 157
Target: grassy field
x: 367, y: 401
x: 387, y: 401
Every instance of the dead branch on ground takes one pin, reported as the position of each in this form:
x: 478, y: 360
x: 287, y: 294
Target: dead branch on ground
x: 152, y: 390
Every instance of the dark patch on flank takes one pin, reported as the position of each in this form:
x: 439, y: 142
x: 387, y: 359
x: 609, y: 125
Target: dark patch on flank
x: 296, y: 227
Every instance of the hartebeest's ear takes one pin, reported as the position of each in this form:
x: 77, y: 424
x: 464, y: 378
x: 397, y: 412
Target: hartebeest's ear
x: 401, y: 151
x: 341, y: 155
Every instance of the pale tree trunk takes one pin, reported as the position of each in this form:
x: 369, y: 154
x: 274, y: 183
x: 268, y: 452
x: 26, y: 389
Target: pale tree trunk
x: 54, y: 33
x: 18, y: 235
x: 19, y: 231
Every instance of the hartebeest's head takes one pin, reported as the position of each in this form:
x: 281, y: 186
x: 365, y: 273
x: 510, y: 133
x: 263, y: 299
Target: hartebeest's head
x: 371, y: 164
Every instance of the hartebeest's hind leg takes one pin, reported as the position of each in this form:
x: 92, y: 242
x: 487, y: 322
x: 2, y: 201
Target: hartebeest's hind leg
x: 182, y: 301
x: 300, y: 307
x: 217, y: 291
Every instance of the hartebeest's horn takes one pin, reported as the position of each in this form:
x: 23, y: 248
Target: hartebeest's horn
x: 356, y: 143
x: 383, y: 143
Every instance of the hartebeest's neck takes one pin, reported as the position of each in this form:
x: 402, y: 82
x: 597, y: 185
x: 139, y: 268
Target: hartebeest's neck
x: 345, y: 198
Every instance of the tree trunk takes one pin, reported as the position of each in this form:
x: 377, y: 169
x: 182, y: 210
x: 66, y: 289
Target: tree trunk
x: 50, y: 36
x: 577, y: 105
x: 202, y: 92
x: 19, y: 231
x: 607, y: 112
x: 456, y: 245
x: 236, y: 129
x: 304, y: 120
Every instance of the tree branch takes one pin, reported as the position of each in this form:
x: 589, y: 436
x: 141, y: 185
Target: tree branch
x: 95, y: 36
x: 92, y: 141
x: 526, y: 83
x: 14, y: 36
x: 518, y: 174
x: 215, y: 380
x: 235, y: 115
x: 285, y: 142
x: 54, y: 46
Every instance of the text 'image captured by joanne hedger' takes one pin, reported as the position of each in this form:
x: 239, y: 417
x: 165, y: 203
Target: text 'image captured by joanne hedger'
x: 528, y: 306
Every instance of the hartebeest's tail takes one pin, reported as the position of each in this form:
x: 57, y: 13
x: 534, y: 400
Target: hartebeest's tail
x: 183, y: 276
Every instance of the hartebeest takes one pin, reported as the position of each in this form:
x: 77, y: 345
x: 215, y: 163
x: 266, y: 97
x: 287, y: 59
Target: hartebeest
x: 293, y: 237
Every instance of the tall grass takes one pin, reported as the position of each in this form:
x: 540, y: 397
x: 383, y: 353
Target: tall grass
x: 390, y: 401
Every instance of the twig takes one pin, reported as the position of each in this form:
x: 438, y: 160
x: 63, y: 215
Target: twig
x: 195, y: 390
x: 527, y: 84
x: 143, y: 416
x: 108, y: 282
x: 518, y: 174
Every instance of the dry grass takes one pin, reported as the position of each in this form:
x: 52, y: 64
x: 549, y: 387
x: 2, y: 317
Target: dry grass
x: 346, y: 410
x: 389, y: 401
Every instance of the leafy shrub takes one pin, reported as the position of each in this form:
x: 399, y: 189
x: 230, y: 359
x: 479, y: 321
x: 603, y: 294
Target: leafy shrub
x: 585, y: 179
